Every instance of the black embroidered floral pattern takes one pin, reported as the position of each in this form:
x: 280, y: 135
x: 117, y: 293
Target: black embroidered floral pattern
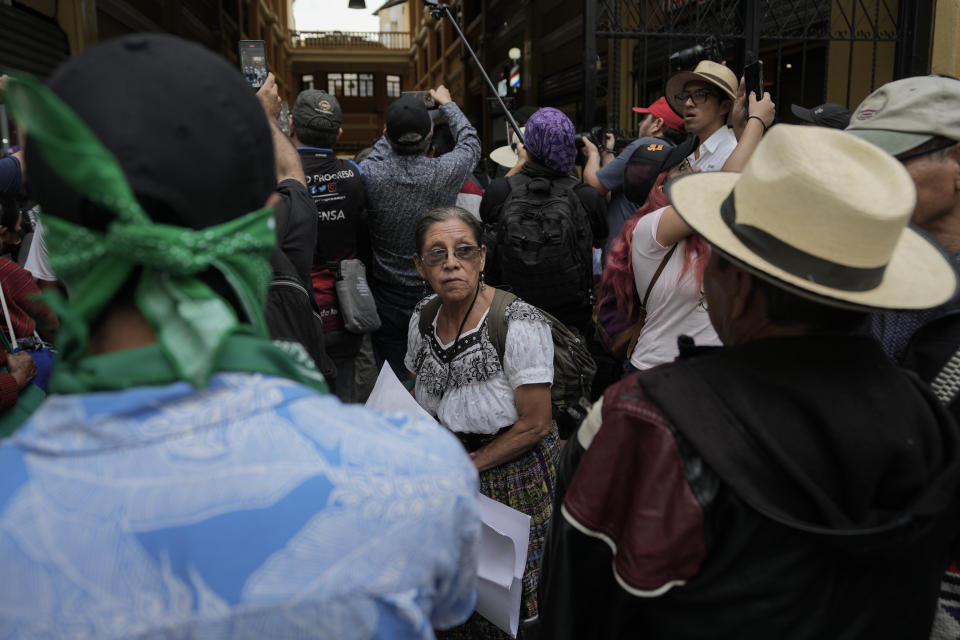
x: 471, y: 360
x: 519, y: 310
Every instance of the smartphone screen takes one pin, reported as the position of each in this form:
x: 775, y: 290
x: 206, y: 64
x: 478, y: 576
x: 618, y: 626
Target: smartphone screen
x: 753, y: 79
x: 253, y: 62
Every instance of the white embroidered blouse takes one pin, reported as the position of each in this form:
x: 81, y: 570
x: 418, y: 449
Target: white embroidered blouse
x: 468, y: 389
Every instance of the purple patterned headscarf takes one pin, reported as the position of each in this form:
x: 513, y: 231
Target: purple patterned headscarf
x: 549, y: 135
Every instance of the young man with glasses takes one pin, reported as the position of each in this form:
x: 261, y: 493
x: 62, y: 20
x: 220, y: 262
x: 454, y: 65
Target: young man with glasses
x: 703, y: 98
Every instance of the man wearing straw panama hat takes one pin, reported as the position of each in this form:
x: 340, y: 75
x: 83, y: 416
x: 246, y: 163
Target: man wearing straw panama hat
x: 794, y: 482
x: 703, y: 98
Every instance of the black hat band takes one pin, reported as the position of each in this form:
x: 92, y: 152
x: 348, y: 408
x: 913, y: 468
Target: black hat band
x: 717, y: 80
x: 799, y: 262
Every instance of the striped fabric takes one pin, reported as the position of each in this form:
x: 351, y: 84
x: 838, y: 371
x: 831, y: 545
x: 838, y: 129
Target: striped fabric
x: 21, y: 291
x: 946, y: 621
x: 525, y: 484
x: 470, y: 196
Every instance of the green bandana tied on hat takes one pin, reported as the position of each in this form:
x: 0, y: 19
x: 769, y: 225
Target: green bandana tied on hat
x: 198, y: 333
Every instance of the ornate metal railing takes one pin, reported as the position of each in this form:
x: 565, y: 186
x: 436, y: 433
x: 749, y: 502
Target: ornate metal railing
x: 793, y: 35
x: 350, y: 39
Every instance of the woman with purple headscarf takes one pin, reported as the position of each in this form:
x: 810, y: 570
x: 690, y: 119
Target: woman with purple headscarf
x: 548, y: 151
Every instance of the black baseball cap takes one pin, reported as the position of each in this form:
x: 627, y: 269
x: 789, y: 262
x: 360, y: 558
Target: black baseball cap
x: 825, y: 115
x: 408, y: 122
x: 651, y: 158
x: 318, y: 110
x: 194, y: 146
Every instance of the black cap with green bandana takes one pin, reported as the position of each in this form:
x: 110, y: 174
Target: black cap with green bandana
x: 116, y: 228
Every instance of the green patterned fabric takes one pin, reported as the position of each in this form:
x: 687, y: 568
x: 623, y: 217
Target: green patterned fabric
x: 197, y: 331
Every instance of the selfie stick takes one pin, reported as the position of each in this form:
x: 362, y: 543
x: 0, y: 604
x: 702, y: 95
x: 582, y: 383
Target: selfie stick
x: 437, y: 11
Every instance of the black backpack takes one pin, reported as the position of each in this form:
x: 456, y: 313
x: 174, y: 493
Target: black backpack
x: 573, y: 367
x: 292, y: 316
x: 544, y: 243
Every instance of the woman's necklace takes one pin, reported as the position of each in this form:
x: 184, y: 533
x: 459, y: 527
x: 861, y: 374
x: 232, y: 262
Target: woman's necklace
x: 456, y: 339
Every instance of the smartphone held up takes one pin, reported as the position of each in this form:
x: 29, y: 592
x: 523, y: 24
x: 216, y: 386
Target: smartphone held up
x: 253, y: 62
x: 753, y: 80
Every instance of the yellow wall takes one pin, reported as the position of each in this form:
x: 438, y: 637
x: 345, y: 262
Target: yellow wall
x: 946, y: 38
x: 78, y: 18
x: 839, y: 67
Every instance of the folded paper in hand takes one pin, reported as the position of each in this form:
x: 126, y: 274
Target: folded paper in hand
x: 503, y: 556
x: 505, y: 533
x: 390, y: 396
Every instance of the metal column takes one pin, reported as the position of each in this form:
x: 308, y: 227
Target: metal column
x: 589, y: 63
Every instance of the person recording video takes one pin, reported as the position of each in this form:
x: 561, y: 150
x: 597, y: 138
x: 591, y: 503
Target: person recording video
x: 402, y: 182
x: 604, y: 170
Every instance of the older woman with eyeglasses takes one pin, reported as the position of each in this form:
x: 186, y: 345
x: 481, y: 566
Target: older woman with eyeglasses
x: 499, y: 408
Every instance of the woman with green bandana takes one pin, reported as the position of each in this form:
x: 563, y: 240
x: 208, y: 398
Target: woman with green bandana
x: 187, y: 477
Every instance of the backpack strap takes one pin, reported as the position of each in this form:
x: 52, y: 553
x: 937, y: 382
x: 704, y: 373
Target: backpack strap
x: 663, y: 264
x: 517, y: 179
x: 496, y: 216
x: 428, y: 313
x: 496, y: 323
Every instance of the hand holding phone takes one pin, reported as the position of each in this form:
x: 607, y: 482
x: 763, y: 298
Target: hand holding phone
x: 440, y: 95
x: 763, y: 108
x: 269, y: 97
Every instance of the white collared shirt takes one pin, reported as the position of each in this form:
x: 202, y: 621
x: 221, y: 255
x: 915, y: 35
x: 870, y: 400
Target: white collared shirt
x: 715, y: 150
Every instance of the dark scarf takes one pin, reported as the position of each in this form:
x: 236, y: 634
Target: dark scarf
x: 534, y: 168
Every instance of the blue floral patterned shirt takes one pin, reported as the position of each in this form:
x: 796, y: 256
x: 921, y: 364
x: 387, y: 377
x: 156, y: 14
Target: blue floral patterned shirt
x: 252, y: 508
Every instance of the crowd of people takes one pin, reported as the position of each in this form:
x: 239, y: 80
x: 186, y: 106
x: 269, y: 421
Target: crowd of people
x: 718, y: 369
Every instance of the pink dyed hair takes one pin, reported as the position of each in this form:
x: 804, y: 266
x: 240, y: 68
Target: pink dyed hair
x: 617, y: 276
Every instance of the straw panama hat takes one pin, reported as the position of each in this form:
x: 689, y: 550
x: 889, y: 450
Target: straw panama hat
x: 506, y: 156
x: 714, y: 73
x: 822, y: 214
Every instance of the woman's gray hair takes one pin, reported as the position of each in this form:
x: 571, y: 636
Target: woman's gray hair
x: 441, y: 214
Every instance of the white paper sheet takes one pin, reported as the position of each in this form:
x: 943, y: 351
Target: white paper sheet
x: 499, y: 605
x: 503, y: 538
x: 503, y: 556
x: 391, y: 396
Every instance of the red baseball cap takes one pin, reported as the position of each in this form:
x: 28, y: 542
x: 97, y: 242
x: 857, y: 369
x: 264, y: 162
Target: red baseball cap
x: 661, y: 109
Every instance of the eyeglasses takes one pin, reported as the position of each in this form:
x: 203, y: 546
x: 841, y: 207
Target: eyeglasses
x: 702, y: 301
x: 464, y: 253
x: 699, y: 96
